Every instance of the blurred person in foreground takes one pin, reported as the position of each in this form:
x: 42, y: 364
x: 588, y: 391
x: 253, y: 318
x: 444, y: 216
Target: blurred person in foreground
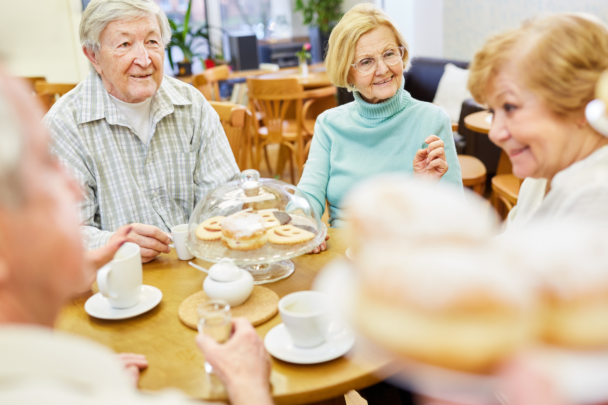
x: 537, y: 80
x: 384, y: 130
x: 145, y: 147
x: 43, y: 265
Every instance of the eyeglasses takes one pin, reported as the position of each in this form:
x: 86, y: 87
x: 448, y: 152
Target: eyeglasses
x: 390, y: 57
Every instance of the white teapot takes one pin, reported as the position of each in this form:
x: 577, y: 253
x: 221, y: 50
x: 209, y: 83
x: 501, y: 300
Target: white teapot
x: 228, y: 282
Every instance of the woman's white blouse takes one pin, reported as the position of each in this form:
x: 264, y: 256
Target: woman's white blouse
x: 579, y: 191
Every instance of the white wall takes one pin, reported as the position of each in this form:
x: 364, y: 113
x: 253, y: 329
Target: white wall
x: 468, y: 23
x: 40, y: 38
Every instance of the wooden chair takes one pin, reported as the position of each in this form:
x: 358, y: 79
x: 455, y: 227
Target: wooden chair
x: 49, y: 93
x: 473, y: 173
x: 236, y: 120
x: 208, y: 81
x: 32, y: 80
x: 312, y: 109
x: 505, y: 191
x: 273, y: 98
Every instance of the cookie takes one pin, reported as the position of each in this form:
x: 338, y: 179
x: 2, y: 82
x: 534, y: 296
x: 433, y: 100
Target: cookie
x: 207, y: 235
x: 270, y: 221
x: 213, y: 223
x: 288, y: 235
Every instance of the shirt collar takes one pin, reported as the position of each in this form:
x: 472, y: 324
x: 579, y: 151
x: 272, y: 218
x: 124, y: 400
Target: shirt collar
x: 598, y: 157
x: 97, y: 104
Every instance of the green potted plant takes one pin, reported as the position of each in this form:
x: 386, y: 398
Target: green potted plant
x: 183, y: 36
x: 320, y: 16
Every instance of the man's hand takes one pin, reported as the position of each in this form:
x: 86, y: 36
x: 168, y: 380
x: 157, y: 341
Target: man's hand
x: 242, y: 364
x: 95, y: 259
x: 321, y: 248
x: 150, y: 239
x: 133, y: 363
x: 431, y: 163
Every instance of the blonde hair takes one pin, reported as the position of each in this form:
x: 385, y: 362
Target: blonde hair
x: 359, y: 20
x: 559, y: 57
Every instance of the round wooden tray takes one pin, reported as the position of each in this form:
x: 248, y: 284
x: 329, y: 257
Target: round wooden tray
x: 260, y: 307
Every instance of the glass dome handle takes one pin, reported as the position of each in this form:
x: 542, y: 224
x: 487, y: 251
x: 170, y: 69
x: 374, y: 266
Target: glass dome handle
x: 250, y: 175
x: 250, y: 183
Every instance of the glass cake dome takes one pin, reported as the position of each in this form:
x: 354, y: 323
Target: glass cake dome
x: 258, y: 223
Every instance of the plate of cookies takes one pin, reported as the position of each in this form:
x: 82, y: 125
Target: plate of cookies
x: 255, y: 222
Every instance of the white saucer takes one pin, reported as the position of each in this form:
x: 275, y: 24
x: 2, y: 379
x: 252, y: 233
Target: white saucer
x: 99, y: 307
x: 278, y: 343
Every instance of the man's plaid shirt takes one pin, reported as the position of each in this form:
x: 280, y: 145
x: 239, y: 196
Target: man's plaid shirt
x: 125, y: 180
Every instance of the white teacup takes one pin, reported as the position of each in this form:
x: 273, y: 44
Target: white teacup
x: 120, y: 280
x: 180, y: 234
x: 305, y: 315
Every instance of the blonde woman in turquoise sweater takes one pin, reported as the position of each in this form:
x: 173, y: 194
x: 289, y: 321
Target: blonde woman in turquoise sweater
x: 384, y: 130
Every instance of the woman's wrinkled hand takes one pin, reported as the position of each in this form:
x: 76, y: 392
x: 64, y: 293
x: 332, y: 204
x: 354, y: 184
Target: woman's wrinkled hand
x: 321, y: 248
x: 430, y: 163
x: 133, y: 363
x: 242, y: 364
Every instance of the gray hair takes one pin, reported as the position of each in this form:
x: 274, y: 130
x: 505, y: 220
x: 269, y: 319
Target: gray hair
x: 99, y: 13
x: 12, y: 145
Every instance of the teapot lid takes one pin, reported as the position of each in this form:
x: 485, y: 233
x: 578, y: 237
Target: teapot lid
x: 225, y: 271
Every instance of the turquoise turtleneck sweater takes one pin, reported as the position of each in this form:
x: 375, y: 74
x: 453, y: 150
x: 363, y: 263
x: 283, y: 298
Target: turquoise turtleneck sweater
x: 359, y: 140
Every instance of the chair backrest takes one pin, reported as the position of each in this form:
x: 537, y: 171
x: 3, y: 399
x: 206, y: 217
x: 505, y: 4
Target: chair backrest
x: 49, y: 93
x: 236, y: 121
x: 200, y: 82
x: 208, y: 81
x: 32, y: 80
x: 273, y: 98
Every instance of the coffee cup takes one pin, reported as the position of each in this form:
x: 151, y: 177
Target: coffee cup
x: 179, y: 236
x: 120, y: 280
x: 305, y: 315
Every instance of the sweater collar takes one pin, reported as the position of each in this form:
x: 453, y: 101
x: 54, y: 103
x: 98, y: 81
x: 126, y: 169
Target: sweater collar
x: 382, y: 110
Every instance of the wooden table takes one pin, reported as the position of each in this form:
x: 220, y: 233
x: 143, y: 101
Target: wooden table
x: 315, y: 78
x: 479, y: 122
x: 317, y: 75
x: 174, y: 359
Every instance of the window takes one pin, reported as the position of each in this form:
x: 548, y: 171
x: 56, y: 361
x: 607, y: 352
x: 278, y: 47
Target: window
x: 176, y: 9
x: 245, y: 15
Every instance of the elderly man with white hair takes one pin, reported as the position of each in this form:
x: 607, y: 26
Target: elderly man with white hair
x: 42, y: 265
x: 145, y: 147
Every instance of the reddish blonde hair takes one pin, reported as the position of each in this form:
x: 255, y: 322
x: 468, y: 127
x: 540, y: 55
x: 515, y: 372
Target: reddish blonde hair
x: 559, y: 57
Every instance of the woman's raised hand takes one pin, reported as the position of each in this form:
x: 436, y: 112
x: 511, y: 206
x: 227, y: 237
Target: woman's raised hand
x: 431, y: 163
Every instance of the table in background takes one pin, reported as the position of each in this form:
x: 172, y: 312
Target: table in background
x: 174, y: 359
x: 317, y: 75
x: 479, y: 122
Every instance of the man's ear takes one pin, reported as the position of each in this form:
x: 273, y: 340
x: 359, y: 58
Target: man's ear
x: 92, y: 57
